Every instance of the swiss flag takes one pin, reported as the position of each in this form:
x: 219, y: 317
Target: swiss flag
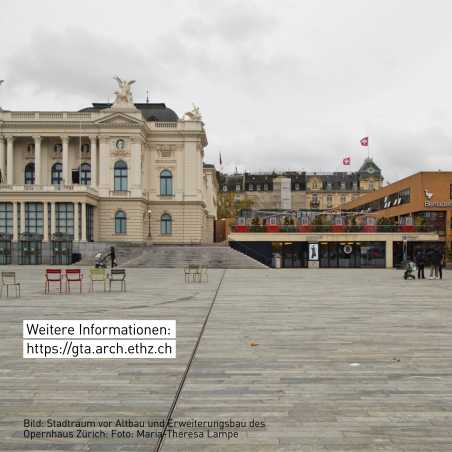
x: 346, y: 161
x: 364, y: 141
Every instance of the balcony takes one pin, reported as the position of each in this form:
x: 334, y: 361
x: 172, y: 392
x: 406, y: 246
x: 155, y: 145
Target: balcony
x: 77, y: 188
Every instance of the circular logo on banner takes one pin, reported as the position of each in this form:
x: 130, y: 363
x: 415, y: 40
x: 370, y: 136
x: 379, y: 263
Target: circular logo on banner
x: 348, y: 249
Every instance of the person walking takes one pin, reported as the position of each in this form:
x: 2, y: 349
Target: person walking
x: 420, y: 263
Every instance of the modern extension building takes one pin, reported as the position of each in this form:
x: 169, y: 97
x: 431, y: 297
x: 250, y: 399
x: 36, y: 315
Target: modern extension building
x: 301, y: 190
x: 110, y: 172
x: 382, y: 228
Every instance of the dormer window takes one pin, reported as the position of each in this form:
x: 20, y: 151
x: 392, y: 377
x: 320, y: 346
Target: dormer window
x: 225, y: 188
x: 250, y: 187
x: 265, y: 187
x: 237, y: 187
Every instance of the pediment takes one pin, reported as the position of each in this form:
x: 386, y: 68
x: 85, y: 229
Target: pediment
x: 119, y: 120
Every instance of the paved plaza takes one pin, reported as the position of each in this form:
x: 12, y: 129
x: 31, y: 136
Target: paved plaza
x: 322, y: 360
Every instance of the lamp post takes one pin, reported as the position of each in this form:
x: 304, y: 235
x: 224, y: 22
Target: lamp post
x: 149, y: 222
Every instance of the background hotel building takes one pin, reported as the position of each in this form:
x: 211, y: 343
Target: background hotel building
x: 121, y: 172
x: 300, y: 190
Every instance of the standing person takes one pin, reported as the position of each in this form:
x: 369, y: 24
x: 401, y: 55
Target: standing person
x: 113, y: 256
x: 441, y: 264
x: 420, y: 263
x: 436, y: 263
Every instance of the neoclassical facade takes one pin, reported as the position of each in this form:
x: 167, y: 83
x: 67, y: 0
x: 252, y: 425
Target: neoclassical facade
x: 121, y: 172
x: 300, y: 190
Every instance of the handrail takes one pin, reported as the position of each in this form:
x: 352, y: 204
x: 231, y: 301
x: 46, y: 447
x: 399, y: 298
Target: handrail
x: 335, y: 228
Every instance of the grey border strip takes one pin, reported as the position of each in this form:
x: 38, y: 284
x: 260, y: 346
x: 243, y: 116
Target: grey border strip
x: 159, y: 445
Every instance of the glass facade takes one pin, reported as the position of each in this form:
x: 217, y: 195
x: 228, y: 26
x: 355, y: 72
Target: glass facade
x: 353, y: 255
x: 34, y: 218
x: 65, y: 218
x: 6, y: 217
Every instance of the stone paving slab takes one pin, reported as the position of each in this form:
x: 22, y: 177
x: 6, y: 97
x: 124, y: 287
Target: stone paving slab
x: 95, y: 388
x: 309, y: 327
x: 277, y: 347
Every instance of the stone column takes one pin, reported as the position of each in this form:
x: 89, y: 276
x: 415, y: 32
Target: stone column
x: 45, y: 206
x: 76, y: 223
x: 22, y: 217
x: 37, y: 160
x: 10, y: 160
x: 389, y: 257
x: 66, y: 170
x: 2, y: 161
x: 135, y: 171
x: 15, y: 228
x: 52, y: 218
x: 93, y: 150
x: 105, y: 177
x: 83, y: 222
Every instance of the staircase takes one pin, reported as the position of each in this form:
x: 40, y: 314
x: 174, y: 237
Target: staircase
x: 176, y: 256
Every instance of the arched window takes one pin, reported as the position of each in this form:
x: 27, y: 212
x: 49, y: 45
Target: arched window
x: 29, y: 173
x: 120, y: 176
x: 166, y: 183
x: 166, y: 224
x: 120, y: 222
x: 57, y: 174
x: 85, y: 174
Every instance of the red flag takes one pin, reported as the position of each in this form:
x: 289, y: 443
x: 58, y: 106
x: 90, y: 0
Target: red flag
x: 364, y: 141
x: 346, y: 161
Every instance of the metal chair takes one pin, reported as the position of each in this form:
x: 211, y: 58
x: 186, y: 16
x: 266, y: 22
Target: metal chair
x: 117, y: 275
x: 53, y: 275
x: 98, y: 275
x: 9, y: 279
x: 73, y: 275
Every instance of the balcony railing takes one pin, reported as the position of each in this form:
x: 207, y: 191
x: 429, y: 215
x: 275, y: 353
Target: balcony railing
x: 335, y: 228
x: 48, y: 188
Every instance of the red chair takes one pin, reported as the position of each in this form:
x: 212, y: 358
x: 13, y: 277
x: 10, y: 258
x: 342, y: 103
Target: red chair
x: 52, y: 275
x: 73, y: 275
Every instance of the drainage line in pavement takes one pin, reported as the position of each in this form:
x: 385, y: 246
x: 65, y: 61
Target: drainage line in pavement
x: 158, y: 447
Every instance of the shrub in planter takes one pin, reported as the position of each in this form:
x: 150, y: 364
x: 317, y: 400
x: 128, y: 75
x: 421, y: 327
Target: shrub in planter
x: 305, y: 228
x: 370, y: 228
x: 272, y: 228
x: 241, y: 228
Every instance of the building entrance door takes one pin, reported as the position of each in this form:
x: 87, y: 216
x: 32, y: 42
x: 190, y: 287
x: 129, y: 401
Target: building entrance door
x: 294, y: 255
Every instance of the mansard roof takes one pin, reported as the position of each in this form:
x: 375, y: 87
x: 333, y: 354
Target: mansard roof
x: 151, y: 111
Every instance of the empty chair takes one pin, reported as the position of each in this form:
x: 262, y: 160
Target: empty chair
x: 117, y: 275
x: 98, y: 275
x: 9, y: 279
x: 73, y: 275
x: 53, y: 275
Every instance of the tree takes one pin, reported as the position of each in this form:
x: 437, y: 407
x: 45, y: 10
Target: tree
x: 229, y: 204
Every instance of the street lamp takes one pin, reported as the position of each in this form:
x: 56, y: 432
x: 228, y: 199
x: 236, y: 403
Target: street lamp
x: 149, y: 221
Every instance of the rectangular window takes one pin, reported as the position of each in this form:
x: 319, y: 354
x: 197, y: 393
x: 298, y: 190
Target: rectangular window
x: 6, y: 217
x: 34, y: 218
x: 65, y: 217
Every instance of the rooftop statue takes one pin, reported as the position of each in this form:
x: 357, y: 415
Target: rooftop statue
x: 194, y: 115
x: 124, y: 96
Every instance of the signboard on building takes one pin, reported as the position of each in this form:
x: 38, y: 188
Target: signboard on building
x: 313, y: 251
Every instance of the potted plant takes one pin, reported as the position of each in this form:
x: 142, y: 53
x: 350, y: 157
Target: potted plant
x: 338, y: 225
x: 272, y: 227
x: 255, y: 225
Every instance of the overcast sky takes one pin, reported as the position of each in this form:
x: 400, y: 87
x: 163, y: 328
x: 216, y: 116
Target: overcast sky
x: 281, y: 84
